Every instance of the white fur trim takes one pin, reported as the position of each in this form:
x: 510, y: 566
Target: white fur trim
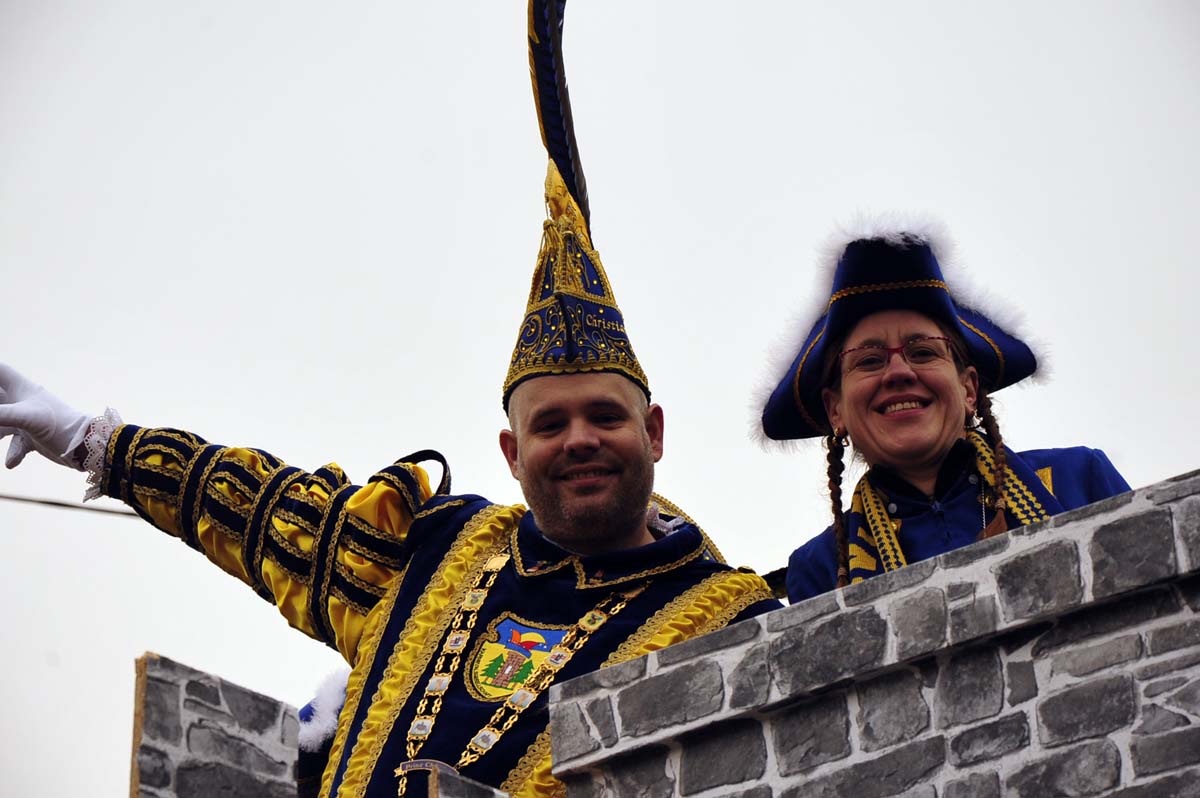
x: 892, y: 227
x: 327, y: 705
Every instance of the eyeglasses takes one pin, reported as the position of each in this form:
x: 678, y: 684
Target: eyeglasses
x: 917, y: 352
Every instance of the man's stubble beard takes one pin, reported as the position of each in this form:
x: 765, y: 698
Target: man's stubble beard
x: 593, y: 528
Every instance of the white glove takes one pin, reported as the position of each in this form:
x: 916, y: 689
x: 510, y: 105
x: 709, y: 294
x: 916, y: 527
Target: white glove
x: 38, y: 421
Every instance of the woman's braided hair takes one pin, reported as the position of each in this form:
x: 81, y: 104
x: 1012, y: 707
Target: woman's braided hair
x: 836, y: 444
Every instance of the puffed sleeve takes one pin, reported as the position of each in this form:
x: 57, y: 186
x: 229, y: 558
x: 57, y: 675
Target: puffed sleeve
x: 322, y: 550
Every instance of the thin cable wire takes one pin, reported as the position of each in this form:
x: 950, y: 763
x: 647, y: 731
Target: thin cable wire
x: 66, y: 505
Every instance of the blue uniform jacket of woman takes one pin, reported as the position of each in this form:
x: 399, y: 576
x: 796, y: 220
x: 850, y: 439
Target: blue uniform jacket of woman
x: 950, y: 519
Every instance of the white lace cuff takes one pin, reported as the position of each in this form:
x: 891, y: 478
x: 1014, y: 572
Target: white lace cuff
x: 95, y: 444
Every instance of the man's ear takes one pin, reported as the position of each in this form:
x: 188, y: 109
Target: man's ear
x: 832, y: 399
x: 654, y: 429
x: 508, y: 445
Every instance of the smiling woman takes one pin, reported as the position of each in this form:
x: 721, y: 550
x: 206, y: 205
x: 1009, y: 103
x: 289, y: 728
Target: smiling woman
x: 900, y: 365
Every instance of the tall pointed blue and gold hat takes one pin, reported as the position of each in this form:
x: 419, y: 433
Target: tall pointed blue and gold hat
x: 572, y: 323
x: 890, y: 264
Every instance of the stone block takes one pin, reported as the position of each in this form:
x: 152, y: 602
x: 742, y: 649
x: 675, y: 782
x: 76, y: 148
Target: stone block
x: 570, y: 735
x: 761, y: 791
x: 891, y: 710
x: 1022, y: 682
x: 208, y: 779
x: 204, y: 689
x: 806, y: 657
x: 1087, y: 710
x: 919, y: 623
x: 706, y: 644
x: 959, y: 558
x: 869, y: 590
x: 643, y: 773
x: 960, y: 590
x: 193, y: 708
x: 207, y: 741
x: 805, y: 611
x: 970, y: 687
x: 1170, y: 638
x: 599, y: 712
x: 161, y: 716
x: 1156, y: 720
x: 1187, y: 525
x: 253, y: 711
x: 1169, y: 665
x: 1082, y: 661
x: 1166, y: 751
x: 1086, y: 769
x: 1040, y: 582
x: 977, y: 785
x: 1175, y: 488
x: 725, y: 753
x: 1162, y: 686
x: 976, y: 619
x: 585, y: 785
x: 602, y: 679
x: 154, y: 767
x: 1132, y: 552
x: 681, y: 695
x: 1130, y: 612
x: 1185, y: 784
x: 1102, y: 507
x: 990, y: 740
x: 750, y: 680
x: 1188, y: 699
x: 886, y: 775
x: 811, y: 734
x: 289, y: 729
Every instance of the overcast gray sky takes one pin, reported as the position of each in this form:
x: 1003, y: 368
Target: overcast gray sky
x: 310, y: 227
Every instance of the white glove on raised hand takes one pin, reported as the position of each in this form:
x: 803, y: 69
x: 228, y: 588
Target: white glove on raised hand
x: 38, y: 421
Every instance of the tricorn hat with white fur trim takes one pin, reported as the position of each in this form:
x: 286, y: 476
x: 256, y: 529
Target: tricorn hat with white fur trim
x: 887, y: 269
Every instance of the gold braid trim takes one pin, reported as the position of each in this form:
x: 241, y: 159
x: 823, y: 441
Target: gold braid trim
x: 796, y: 394
x: 531, y: 778
x: 703, y: 608
x: 364, y: 657
x: 877, y: 287
x: 881, y: 530
x: 481, y: 538
x: 995, y: 349
x: 1021, y: 500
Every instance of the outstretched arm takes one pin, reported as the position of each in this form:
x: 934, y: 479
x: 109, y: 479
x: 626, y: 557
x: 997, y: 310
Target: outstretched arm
x: 322, y: 550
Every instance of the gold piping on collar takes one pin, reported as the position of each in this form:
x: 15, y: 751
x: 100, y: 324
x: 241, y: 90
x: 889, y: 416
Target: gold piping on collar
x: 581, y: 577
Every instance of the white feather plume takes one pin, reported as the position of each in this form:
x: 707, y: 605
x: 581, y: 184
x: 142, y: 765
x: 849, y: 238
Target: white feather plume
x: 327, y: 705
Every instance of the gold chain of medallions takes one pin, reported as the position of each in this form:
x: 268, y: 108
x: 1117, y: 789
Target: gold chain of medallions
x: 450, y: 658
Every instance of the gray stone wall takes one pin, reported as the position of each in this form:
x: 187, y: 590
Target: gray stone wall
x: 196, y: 736
x: 1060, y: 659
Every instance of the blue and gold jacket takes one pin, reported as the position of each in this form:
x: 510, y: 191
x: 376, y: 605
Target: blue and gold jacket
x: 379, y: 572
x: 1057, y: 480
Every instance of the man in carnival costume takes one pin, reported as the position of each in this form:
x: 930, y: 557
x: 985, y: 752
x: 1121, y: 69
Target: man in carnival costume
x: 456, y: 614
